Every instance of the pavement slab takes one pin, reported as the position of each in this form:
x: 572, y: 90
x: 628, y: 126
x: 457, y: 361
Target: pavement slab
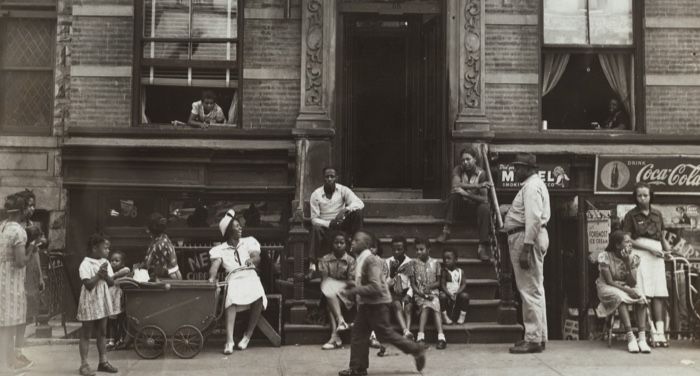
x: 560, y: 358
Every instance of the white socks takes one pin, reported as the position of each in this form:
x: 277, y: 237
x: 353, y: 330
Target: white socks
x: 462, y: 318
x: 420, y: 337
x: 441, y: 337
x: 446, y: 318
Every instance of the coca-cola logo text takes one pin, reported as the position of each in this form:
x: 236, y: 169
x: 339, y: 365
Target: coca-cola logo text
x: 683, y: 174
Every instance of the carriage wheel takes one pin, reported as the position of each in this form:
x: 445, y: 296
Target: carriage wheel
x: 150, y: 342
x: 187, y: 341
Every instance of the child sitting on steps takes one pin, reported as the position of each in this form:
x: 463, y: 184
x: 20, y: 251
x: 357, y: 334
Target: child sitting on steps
x: 452, y: 286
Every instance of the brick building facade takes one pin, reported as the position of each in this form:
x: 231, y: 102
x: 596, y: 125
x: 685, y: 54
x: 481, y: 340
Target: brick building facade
x: 295, y: 76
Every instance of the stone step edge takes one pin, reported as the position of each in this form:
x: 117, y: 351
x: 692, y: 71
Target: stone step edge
x: 472, y: 302
x: 477, y: 326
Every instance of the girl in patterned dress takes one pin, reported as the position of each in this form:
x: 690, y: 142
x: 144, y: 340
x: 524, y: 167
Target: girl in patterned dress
x: 14, y: 254
x: 618, y: 290
x: 116, y: 328
x: 95, y: 305
x: 424, y: 274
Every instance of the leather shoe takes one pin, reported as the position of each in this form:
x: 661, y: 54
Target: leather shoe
x: 353, y: 372
x: 419, y: 358
x: 441, y: 344
x: 543, y: 344
x: 106, y: 367
x: 525, y: 348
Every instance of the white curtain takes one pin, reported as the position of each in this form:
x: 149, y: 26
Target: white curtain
x: 233, y: 110
x: 144, y: 118
x: 554, y: 67
x: 618, y: 69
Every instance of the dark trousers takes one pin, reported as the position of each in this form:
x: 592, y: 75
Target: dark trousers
x: 319, y: 234
x: 375, y: 317
x: 460, y: 304
x: 459, y: 207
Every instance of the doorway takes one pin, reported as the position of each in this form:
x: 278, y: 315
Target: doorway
x: 392, y: 110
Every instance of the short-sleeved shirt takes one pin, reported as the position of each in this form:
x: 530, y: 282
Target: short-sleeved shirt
x: 90, y: 267
x: 216, y: 115
x: 618, y: 268
x: 646, y: 226
x: 342, y: 269
x: 161, y: 255
x: 233, y: 258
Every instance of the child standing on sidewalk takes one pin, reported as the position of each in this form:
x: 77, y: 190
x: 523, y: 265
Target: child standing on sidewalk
x: 452, y: 285
x: 116, y: 329
x: 95, y: 304
x: 424, y: 272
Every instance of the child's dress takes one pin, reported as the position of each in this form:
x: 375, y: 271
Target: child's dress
x: 13, y: 303
x: 117, y: 298
x: 423, y: 274
x: 611, y: 297
x: 94, y: 304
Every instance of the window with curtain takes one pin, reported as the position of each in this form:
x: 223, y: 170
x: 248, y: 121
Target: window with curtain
x: 27, y: 46
x: 588, y: 64
x: 190, y: 55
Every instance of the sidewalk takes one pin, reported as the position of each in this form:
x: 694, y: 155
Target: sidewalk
x: 560, y: 358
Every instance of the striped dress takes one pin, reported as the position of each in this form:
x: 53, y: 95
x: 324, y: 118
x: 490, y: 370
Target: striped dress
x: 13, y: 300
x: 94, y: 304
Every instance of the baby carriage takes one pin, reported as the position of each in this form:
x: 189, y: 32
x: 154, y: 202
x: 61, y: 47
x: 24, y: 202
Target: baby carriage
x: 174, y: 312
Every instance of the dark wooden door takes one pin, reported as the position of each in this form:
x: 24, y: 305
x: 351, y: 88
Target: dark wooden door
x: 378, y: 89
x: 431, y: 135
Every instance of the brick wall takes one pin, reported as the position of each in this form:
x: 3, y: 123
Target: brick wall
x: 512, y: 107
x: 513, y: 6
x: 100, y: 101
x: 672, y: 50
x: 102, y: 41
x: 672, y: 8
x: 673, y: 110
x: 270, y: 103
x: 511, y: 48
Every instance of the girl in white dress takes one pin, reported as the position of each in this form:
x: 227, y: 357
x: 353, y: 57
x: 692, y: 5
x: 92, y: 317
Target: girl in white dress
x: 239, y: 257
x: 95, y: 304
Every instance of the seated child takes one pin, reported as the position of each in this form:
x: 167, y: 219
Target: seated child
x: 617, y: 288
x: 452, y: 286
x: 424, y: 272
x: 206, y: 112
x: 399, y: 285
x: 340, y: 266
x: 116, y: 328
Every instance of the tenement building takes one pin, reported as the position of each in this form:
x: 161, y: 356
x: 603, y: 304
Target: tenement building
x: 104, y: 115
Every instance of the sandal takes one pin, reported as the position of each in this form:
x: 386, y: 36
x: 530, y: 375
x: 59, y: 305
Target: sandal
x: 331, y: 345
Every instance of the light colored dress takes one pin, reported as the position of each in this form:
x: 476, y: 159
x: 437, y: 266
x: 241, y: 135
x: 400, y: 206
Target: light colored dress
x: 244, y: 286
x: 423, y: 274
x: 94, y: 304
x: 610, y: 296
x: 652, y: 270
x: 117, y: 298
x: 13, y: 300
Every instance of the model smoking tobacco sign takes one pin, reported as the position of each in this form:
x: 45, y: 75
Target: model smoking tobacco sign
x: 668, y: 174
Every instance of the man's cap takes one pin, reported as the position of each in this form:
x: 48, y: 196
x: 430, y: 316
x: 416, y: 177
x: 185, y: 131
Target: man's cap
x: 525, y: 159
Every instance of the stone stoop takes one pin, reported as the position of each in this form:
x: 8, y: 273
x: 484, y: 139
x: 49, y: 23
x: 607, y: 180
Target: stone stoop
x: 403, y: 212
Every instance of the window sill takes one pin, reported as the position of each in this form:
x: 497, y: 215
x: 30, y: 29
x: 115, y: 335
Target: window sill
x: 167, y: 131
x: 593, y: 137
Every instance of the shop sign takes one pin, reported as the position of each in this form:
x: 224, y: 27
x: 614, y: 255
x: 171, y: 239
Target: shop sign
x: 670, y: 174
x: 554, y: 175
x: 597, y: 232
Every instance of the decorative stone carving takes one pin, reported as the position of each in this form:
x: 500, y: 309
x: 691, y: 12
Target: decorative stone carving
x: 472, y: 60
x: 314, y: 54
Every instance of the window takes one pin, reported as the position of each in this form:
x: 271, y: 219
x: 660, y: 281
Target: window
x: 588, y: 64
x: 188, y: 47
x: 27, y: 45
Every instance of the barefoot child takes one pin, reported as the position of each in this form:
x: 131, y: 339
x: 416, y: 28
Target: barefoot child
x: 339, y: 266
x: 452, y: 286
x: 424, y: 274
x: 95, y: 304
x: 116, y: 324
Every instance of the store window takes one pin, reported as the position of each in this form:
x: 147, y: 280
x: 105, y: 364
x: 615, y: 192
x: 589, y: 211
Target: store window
x: 190, y: 55
x: 27, y: 45
x: 588, y: 65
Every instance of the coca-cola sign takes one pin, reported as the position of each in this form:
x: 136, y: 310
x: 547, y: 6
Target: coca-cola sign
x: 667, y: 174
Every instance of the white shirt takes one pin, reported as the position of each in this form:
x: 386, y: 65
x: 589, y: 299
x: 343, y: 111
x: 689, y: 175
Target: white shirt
x: 404, y: 278
x: 227, y: 253
x: 530, y: 209
x: 325, y: 209
x: 90, y: 267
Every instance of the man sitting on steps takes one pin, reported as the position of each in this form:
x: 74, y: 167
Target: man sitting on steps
x: 469, y: 197
x: 333, y: 207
